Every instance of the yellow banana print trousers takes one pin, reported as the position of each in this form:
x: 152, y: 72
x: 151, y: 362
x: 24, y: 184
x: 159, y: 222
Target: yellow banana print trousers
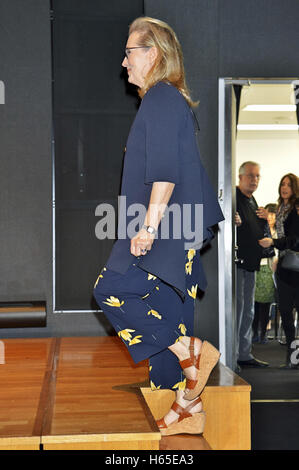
x: 149, y: 315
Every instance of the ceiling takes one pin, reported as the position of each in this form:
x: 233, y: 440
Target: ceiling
x: 276, y: 97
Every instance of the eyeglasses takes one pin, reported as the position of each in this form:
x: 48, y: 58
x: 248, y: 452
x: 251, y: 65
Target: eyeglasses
x: 128, y: 49
x: 252, y: 177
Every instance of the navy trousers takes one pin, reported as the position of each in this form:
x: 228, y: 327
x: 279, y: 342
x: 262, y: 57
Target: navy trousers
x: 148, y: 315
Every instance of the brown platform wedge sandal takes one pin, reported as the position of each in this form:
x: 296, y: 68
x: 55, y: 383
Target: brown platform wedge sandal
x: 186, y: 423
x: 204, y: 363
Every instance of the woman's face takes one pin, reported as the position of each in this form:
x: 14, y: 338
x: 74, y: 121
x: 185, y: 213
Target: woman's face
x: 286, y: 189
x: 138, y: 62
x: 271, y: 219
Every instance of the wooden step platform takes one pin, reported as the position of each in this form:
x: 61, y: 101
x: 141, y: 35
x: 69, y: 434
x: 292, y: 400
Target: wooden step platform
x: 86, y: 393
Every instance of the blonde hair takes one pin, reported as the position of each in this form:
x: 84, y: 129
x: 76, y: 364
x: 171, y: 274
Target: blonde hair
x: 169, y: 65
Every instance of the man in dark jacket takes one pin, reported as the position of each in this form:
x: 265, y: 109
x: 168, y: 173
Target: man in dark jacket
x: 251, y: 223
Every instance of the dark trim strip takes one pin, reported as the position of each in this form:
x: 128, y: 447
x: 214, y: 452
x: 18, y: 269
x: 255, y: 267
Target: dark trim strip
x: 277, y: 400
x: 44, y: 415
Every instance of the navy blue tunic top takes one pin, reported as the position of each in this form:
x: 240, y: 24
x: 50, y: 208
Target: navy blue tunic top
x: 162, y: 147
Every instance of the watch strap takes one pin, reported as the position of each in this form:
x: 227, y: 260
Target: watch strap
x: 149, y: 229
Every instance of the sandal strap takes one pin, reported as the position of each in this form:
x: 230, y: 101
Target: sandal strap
x: 192, y: 360
x: 191, y: 384
x: 179, y: 410
x: 196, y: 402
x: 161, y: 424
x: 186, y: 363
x: 184, y: 412
x: 191, y: 348
x: 197, y: 361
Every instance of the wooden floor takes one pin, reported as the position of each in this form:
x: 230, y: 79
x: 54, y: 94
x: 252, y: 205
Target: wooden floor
x: 83, y: 393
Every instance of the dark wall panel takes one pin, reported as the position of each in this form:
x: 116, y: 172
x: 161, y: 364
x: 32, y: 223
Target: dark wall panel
x: 258, y: 38
x: 25, y: 151
x: 94, y: 108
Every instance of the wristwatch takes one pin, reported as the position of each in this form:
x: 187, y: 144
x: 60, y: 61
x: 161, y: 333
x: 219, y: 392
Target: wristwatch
x: 149, y: 229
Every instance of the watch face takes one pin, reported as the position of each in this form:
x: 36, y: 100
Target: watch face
x: 149, y: 229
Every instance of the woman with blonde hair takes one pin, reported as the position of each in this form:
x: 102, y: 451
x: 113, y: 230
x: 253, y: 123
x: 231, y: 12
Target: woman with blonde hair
x: 148, y: 286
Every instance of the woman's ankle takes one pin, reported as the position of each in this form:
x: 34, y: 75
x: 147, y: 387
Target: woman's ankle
x: 181, y: 347
x: 180, y: 350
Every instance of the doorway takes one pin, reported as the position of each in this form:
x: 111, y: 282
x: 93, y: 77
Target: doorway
x: 242, y: 128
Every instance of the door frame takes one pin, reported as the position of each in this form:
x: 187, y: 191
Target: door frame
x: 226, y: 197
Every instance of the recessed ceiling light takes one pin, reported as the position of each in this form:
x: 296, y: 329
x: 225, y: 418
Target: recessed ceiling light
x: 268, y: 127
x: 270, y: 107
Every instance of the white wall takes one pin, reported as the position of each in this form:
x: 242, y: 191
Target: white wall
x: 276, y: 152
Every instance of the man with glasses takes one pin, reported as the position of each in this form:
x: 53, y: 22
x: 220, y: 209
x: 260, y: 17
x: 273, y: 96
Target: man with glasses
x: 251, y: 222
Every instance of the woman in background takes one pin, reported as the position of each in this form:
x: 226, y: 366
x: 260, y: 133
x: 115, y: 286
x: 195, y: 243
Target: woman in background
x: 264, y: 286
x: 287, y: 226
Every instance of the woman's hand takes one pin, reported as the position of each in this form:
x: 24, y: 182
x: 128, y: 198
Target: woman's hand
x: 142, y: 242
x: 266, y: 242
x: 160, y: 195
x: 274, y: 265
